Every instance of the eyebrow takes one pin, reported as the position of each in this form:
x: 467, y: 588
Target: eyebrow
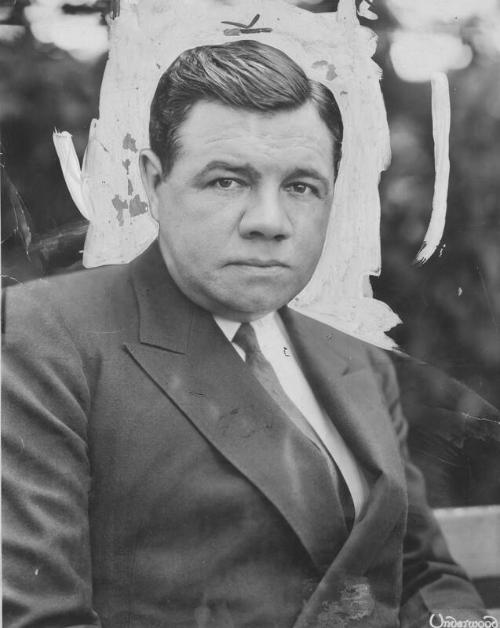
x: 245, y: 169
x: 248, y: 170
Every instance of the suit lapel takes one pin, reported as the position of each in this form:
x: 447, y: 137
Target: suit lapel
x: 185, y: 352
x: 346, y: 387
x: 353, y: 401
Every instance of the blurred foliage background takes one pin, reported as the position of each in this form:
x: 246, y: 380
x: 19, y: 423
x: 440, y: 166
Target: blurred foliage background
x: 52, y: 57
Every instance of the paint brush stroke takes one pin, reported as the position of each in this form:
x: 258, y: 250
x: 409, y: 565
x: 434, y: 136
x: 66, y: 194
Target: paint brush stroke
x: 332, y: 48
x: 441, y: 131
x: 70, y: 167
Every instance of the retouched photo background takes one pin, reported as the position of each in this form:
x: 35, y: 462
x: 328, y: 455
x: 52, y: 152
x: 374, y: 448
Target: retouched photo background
x: 52, y: 57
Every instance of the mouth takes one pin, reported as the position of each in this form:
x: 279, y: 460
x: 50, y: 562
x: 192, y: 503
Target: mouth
x: 258, y: 263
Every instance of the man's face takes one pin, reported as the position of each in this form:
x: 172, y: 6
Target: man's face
x: 244, y: 209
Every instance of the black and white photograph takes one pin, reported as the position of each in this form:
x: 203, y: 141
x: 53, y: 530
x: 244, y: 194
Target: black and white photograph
x: 250, y: 313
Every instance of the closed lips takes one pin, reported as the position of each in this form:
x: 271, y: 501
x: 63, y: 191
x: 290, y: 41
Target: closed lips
x: 259, y: 263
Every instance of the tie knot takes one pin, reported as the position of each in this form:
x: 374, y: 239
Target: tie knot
x: 246, y: 338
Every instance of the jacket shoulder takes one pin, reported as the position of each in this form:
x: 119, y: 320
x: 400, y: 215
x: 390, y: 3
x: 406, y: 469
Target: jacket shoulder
x: 356, y: 353
x: 71, y: 287
x: 89, y: 299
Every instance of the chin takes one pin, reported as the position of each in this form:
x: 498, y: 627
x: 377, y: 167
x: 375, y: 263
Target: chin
x: 239, y: 300
x: 251, y: 310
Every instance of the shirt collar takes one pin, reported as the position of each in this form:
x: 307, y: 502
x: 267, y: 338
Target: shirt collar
x: 229, y: 328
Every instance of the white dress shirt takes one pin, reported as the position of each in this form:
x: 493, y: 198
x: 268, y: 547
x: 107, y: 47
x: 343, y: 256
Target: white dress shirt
x: 278, y: 350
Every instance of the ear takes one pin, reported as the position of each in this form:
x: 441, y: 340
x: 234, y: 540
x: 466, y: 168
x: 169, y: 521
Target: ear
x: 152, y: 176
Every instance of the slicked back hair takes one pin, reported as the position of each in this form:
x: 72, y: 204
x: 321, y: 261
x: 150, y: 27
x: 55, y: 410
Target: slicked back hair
x: 243, y: 74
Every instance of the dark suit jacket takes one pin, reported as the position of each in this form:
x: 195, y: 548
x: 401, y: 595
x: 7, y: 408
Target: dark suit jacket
x: 149, y: 481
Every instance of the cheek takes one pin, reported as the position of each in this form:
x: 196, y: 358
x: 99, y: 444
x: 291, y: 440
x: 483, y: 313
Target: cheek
x: 324, y: 219
x: 194, y: 244
x: 202, y: 215
x: 312, y: 229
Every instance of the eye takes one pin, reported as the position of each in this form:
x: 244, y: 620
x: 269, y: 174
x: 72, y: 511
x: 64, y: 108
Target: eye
x: 301, y: 189
x: 225, y: 183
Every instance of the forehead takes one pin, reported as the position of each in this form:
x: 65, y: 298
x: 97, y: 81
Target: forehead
x: 213, y: 130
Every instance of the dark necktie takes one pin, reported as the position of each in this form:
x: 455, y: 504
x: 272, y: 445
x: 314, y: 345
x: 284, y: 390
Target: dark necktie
x: 262, y: 369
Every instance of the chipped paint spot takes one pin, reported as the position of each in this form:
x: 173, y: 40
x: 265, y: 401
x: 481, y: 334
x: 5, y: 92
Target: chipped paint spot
x: 126, y: 164
x: 130, y: 188
x: 331, y: 74
x: 129, y: 143
x: 37, y: 571
x: 120, y: 206
x: 137, y: 207
x: 460, y: 292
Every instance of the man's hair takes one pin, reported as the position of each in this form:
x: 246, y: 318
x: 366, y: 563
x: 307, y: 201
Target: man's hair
x: 244, y: 74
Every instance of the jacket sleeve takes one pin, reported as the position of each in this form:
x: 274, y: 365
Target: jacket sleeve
x: 432, y: 581
x: 46, y: 477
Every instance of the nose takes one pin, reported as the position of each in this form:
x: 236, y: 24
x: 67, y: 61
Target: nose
x: 265, y: 217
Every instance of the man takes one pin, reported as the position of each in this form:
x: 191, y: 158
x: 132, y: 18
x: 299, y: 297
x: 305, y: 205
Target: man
x: 181, y: 448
